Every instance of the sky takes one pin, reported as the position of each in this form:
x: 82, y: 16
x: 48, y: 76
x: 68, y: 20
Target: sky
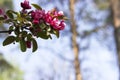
x: 98, y: 62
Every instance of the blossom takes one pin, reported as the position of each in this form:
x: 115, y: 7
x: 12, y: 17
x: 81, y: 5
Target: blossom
x: 51, y: 19
x: 37, y: 15
x: 62, y: 25
x: 25, y: 5
x: 48, y: 18
x: 58, y: 25
x: 28, y: 44
x: 5, y: 16
x: 60, y: 13
x: 36, y: 21
x: 57, y: 13
x: 1, y: 12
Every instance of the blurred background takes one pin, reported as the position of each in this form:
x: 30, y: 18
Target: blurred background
x: 88, y: 48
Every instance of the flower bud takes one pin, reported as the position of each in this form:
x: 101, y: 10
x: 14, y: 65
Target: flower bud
x: 25, y: 5
x: 35, y: 21
x: 1, y: 12
x: 60, y: 13
x: 28, y: 44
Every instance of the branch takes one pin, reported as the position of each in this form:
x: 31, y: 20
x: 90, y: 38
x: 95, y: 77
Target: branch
x: 87, y: 33
x: 9, y: 31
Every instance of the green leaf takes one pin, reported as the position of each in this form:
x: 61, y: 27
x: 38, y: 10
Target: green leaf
x: 56, y: 32
x: 8, y: 40
x: 8, y: 20
x: 42, y: 26
x: 17, y: 31
x: 29, y: 37
x: 13, y: 12
x: 23, y: 45
x: 36, y: 6
x: 20, y: 18
x: 65, y: 18
x: 48, y: 28
x: 50, y: 36
x: 2, y: 18
x: 35, y: 46
x: 43, y: 35
x: 62, y: 17
x: 24, y: 33
x: 11, y: 27
x: 9, y: 14
x: 17, y: 39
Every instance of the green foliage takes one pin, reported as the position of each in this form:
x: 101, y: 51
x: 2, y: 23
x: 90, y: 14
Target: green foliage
x: 43, y: 35
x: 2, y: 18
x: 56, y: 33
x: 8, y: 40
x: 36, y: 6
x: 9, y: 14
x: 23, y: 45
x: 35, y: 46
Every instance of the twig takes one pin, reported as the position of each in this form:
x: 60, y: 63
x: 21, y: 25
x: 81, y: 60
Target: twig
x: 6, y: 31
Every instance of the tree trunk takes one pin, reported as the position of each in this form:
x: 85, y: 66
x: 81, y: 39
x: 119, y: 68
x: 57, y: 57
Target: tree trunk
x: 74, y: 42
x: 115, y: 5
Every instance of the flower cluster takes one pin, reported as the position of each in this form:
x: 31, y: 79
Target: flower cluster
x: 51, y: 18
x: 30, y: 24
x: 37, y: 16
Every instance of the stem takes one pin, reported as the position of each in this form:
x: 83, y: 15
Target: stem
x: 6, y: 31
x: 26, y: 28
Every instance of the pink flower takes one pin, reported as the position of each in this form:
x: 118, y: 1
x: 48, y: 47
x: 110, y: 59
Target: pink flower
x: 60, y: 13
x: 58, y: 25
x: 48, y: 18
x: 62, y: 25
x: 51, y: 19
x: 35, y: 21
x: 37, y: 15
x: 56, y: 13
x: 28, y: 44
x: 5, y: 16
x: 1, y: 11
x: 25, y: 5
x: 55, y: 22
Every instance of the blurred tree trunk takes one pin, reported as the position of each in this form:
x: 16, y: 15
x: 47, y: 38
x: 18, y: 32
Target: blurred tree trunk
x: 115, y: 5
x: 74, y: 42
